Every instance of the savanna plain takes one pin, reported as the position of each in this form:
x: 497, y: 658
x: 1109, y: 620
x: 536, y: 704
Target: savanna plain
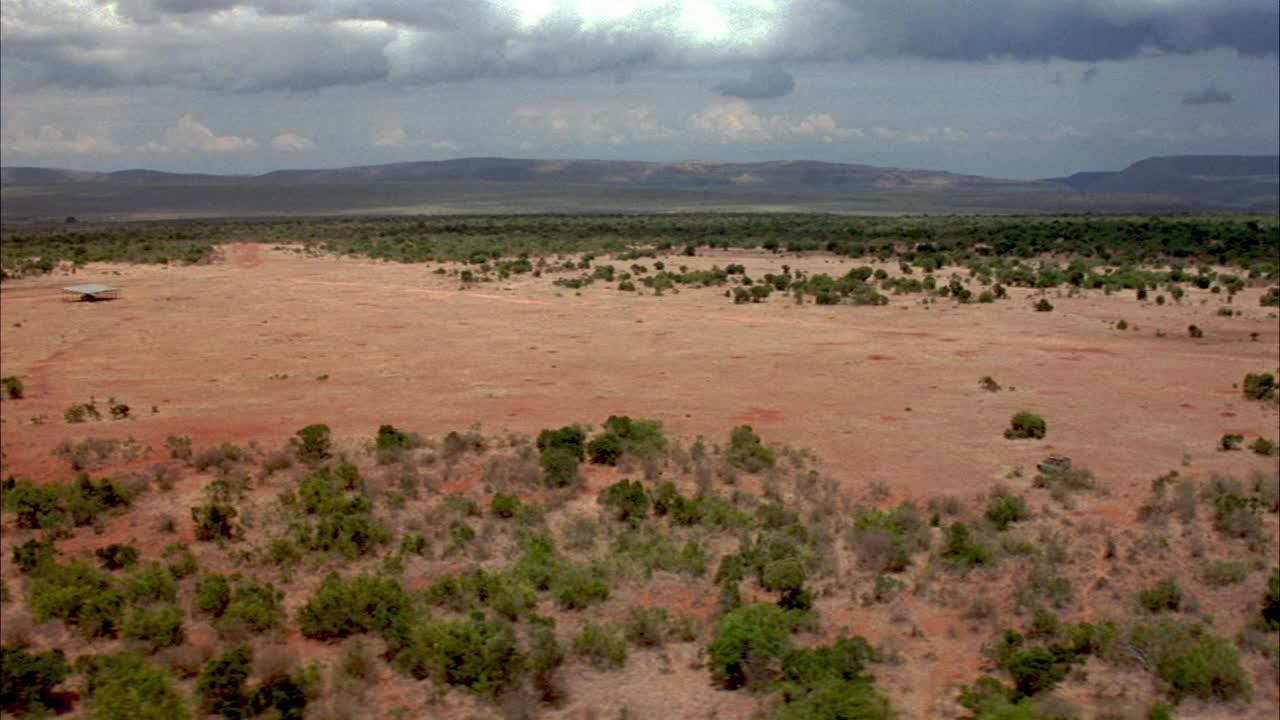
x: 643, y: 466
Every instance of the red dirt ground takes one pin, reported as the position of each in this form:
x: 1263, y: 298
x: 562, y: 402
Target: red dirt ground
x: 888, y: 397
x: 232, y: 351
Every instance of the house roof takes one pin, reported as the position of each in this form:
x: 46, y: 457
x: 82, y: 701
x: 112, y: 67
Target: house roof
x: 88, y: 289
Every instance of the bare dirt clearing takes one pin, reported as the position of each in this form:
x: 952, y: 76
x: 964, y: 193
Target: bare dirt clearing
x: 268, y: 341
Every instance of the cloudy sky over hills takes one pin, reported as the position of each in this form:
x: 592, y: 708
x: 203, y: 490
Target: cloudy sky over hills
x: 1014, y: 88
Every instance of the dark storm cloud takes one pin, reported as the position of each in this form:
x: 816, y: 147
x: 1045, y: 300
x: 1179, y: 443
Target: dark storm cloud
x: 1209, y: 95
x: 261, y: 45
x: 769, y: 81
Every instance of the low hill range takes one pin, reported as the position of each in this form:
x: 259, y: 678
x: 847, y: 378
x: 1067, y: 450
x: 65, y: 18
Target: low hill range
x: 497, y: 185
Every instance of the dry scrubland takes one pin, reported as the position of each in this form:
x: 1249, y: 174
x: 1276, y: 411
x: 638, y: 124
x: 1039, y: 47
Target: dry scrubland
x: 872, y: 545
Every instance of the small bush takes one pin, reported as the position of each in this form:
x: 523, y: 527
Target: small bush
x: 1270, y: 603
x: 989, y: 384
x: 27, y: 679
x: 1225, y: 572
x: 1043, y: 305
x: 559, y: 467
x: 157, y: 628
x: 600, y: 646
x: 1195, y: 331
x: 504, y: 506
x: 1263, y: 446
x: 1259, y: 386
x: 628, y: 500
x: 215, y: 521
x: 212, y: 594
x: 1164, y: 595
x: 1005, y: 509
x: 120, y: 686
x: 220, y: 686
x: 1230, y: 441
x: 312, y: 443
x: 342, y: 607
x: 569, y: 438
x: 747, y: 452
x: 117, y: 556
x: 1026, y: 425
x: 85, y: 598
x: 749, y: 641
x: 13, y: 388
x: 475, y: 653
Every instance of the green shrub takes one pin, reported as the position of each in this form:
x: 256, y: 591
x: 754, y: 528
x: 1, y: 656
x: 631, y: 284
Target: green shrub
x: 1195, y: 331
x: 342, y: 607
x: 215, y: 521
x: 961, y: 548
x: 12, y: 386
x: 747, y: 452
x: 1263, y: 446
x: 559, y: 467
x: 989, y: 384
x: 1193, y: 662
x: 154, y: 583
x: 36, y: 506
x: 504, y: 506
x: 85, y: 598
x: 605, y: 449
x: 647, y: 627
x: 475, y: 653
x: 600, y: 646
x: 117, y: 556
x: 785, y: 575
x: 34, y: 554
x: 1259, y: 386
x: 828, y: 683
x: 1225, y: 572
x: 576, y: 587
x: 569, y: 438
x: 157, y: 627
x: 27, y: 679
x: 181, y: 561
x: 280, y: 696
x: 1025, y: 424
x: 389, y: 438
x: 1002, y: 510
x: 120, y: 686
x: 1270, y: 604
x: 220, y: 686
x: 312, y: 443
x: 212, y: 594
x: 1043, y: 305
x: 1230, y: 441
x: 748, y: 643
x: 628, y: 499
x: 254, y: 605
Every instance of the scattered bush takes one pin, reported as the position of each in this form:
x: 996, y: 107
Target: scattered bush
x: 27, y: 679
x: 120, y: 686
x: 989, y: 384
x: 117, y: 556
x: 747, y: 452
x: 559, y: 467
x: 1230, y: 441
x: 1043, y: 305
x: 1225, y: 572
x: 475, y: 653
x: 85, y: 598
x: 312, y: 443
x: 1005, y: 509
x: 1265, y: 447
x: 220, y: 686
x: 215, y: 521
x: 1259, y: 386
x: 628, y: 500
x: 1025, y: 424
x: 600, y: 646
x: 748, y: 643
x: 156, y: 627
x: 1164, y: 595
x: 13, y: 388
x: 342, y: 607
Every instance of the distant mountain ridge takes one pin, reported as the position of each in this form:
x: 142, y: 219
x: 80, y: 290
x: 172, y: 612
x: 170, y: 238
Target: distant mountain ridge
x: 1240, y: 181
x: 565, y: 172
x: 504, y: 185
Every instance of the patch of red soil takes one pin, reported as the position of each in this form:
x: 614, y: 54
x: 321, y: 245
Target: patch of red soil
x: 877, y: 356
x: 759, y: 414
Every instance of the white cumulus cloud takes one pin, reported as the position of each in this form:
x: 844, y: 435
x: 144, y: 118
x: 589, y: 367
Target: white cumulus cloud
x: 292, y: 142
x: 190, y: 135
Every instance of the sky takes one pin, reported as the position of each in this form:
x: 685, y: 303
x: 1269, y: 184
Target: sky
x: 1003, y: 88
